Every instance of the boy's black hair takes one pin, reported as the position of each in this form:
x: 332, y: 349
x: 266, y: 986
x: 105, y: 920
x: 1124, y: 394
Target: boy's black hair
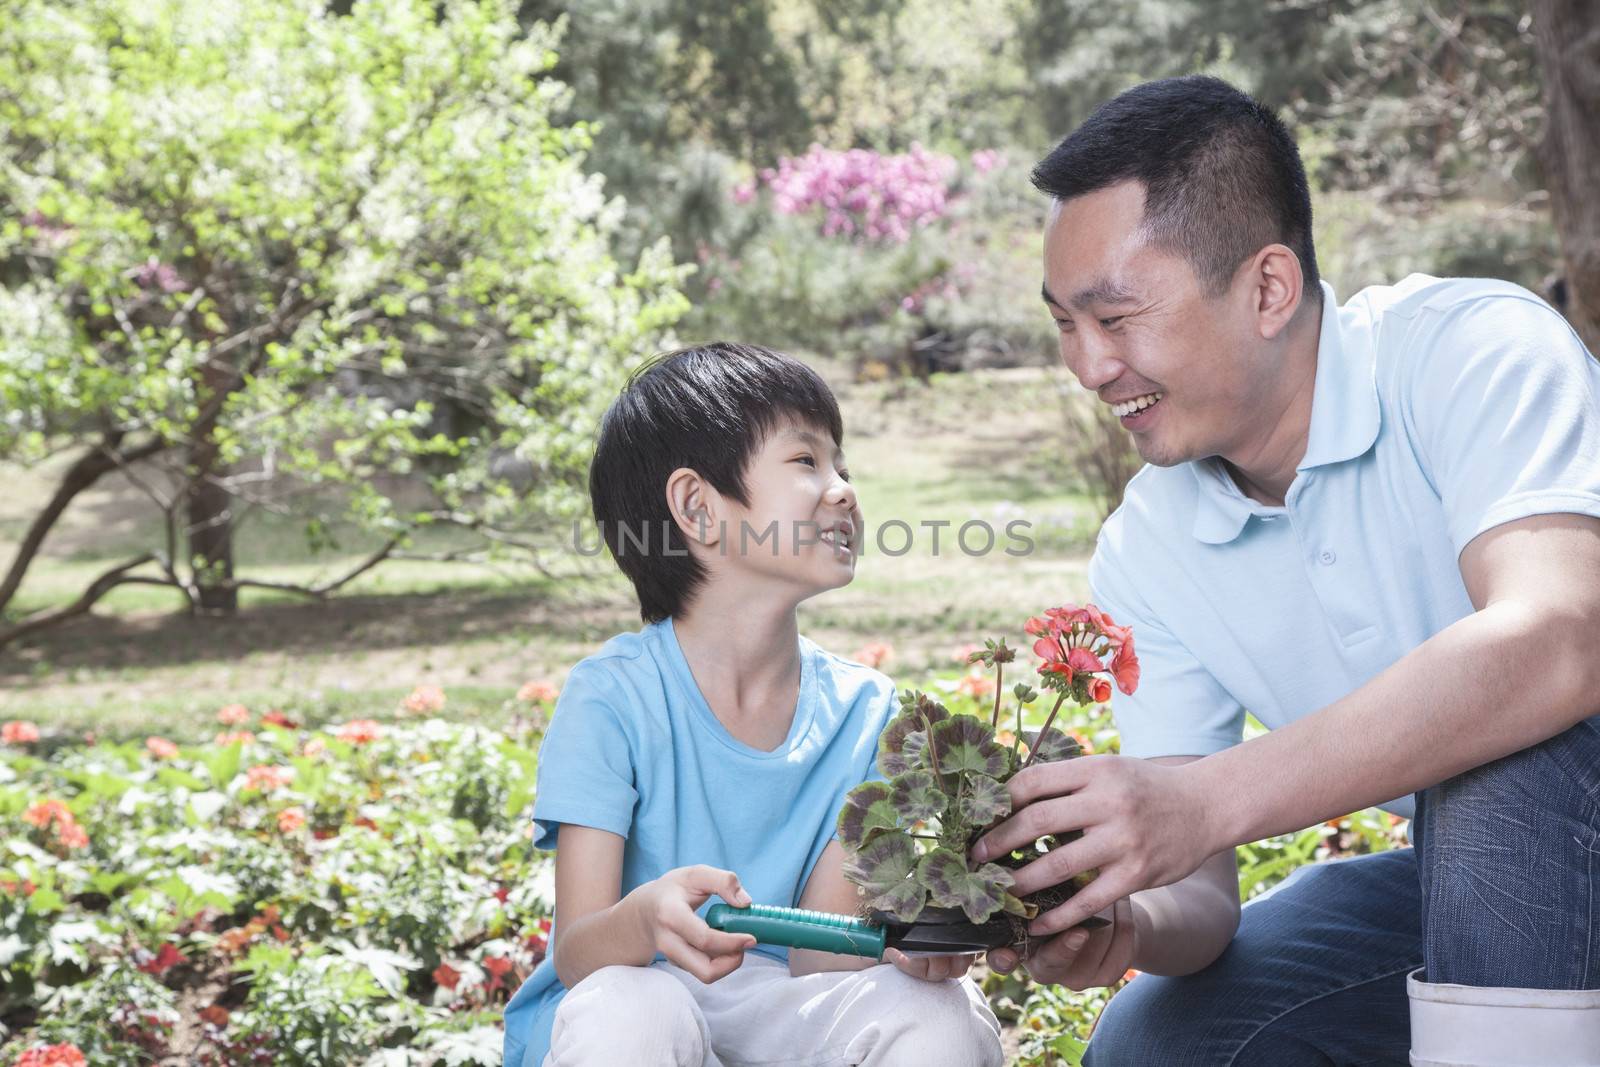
x: 1222, y: 175
x: 708, y: 408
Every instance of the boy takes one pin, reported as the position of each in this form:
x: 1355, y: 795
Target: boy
x: 708, y: 754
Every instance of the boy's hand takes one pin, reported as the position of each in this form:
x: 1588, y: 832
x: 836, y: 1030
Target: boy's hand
x: 929, y: 968
x: 1080, y: 959
x: 666, y: 907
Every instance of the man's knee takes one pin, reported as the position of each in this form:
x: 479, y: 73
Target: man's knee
x: 633, y: 1015
x: 1504, y: 855
x: 1151, y: 1020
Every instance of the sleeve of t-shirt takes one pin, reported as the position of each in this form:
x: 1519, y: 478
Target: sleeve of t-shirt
x: 1503, y: 403
x: 585, y: 774
x: 1178, y: 708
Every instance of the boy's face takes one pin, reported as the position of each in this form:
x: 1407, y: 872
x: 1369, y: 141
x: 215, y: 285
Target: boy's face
x: 804, y: 525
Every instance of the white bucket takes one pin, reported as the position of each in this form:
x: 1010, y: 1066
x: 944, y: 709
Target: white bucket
x: 1492, y: 1026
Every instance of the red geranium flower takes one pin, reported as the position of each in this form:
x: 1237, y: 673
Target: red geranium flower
x: 166, y: 958
x: 19, y: 732
x: 65, y: 1054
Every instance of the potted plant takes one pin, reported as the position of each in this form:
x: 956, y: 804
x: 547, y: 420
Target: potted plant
x: 907, y: 837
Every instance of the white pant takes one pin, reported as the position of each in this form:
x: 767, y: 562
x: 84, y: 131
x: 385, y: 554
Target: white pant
x: 760, y: 1016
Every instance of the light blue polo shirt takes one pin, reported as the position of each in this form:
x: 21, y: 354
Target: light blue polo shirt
x: 633, y: 748
x: 1441, y: 408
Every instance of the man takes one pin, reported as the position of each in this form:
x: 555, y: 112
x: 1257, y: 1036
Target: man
x: 1376, y: 527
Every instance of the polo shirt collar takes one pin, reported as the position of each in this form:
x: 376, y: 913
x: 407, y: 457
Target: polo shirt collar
x: 1344, y: 425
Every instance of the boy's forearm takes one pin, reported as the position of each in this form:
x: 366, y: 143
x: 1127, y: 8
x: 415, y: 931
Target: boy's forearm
x: 614, y: 935
x: 1183, y: 927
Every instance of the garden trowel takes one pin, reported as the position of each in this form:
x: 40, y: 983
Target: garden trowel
x: 937, y: 932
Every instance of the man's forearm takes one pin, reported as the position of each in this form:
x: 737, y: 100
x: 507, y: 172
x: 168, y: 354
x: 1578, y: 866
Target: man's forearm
x: 1184, y: 926
x: 1493, y: 683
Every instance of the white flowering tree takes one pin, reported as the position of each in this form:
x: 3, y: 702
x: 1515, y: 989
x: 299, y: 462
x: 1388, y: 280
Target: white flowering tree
x: 254, y: 247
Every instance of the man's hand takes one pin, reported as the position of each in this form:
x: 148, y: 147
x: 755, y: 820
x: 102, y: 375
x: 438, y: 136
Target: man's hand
x: 1144, y: 825
x: 1080, y: 959
x: 665, y: 908
x: 930, y: 968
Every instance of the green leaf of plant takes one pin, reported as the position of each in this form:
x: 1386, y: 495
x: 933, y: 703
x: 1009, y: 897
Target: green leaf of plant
x: 898, y: 744
x: 979, y: 894
x: 1055, y: 746
x: 1070, y: 1049
x: 223, y: 764
x: 916, y: 796
x: 867, y: 812
x: 903, y: 903
x: 885, y: 862
x: 965, y: 745
x: 984, y: 799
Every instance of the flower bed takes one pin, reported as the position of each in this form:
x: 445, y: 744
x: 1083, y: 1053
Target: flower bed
x: 366, y: 894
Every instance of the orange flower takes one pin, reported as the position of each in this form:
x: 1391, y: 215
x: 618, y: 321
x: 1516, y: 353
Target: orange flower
x: 19, y: 732
x: 235, y: 737
x: 65, y: 1054
x: 160, y: 747
x: 291, y: 819
x: 1099, y: 690
x: 68, y: 832
x: 45, y: 812
x: 264, y: 777
x: 274, y: 717
x: 360, y: 731
x: 1084, y: 661
x: 1125, y: 667
x: 446, y: 975
x: 538, y: 692
x: 874, y: 653
x: 233, y: 715
x: 424, y: 699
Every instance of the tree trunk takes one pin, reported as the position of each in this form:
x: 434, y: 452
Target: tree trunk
x: 1567, y: 36
x: 101, y: 459
x: 210, y: 505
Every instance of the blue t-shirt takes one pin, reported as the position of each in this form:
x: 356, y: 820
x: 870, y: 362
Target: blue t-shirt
x: 634, y: 748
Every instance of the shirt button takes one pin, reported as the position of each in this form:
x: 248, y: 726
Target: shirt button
x: 1327, y: 556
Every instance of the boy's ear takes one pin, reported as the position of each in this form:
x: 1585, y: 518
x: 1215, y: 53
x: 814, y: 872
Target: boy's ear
x: 695, y: 506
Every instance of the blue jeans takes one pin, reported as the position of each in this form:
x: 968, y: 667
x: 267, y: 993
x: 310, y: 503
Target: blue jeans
x: 1499, y: 889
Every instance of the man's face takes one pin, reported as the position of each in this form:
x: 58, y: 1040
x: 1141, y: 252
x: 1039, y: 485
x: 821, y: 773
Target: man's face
x: 1135, y: 326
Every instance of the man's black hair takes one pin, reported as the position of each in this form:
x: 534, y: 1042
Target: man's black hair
x: 1222, y: 175
x: 708, y: 408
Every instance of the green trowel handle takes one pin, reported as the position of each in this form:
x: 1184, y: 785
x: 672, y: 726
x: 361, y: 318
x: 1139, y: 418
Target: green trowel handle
x: 798, y: 928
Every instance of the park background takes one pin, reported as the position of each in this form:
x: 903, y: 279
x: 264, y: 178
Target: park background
x: 307, y: 312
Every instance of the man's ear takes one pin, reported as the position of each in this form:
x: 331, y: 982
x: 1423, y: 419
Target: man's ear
x: 1276, y: 288
x: 695, y: 507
